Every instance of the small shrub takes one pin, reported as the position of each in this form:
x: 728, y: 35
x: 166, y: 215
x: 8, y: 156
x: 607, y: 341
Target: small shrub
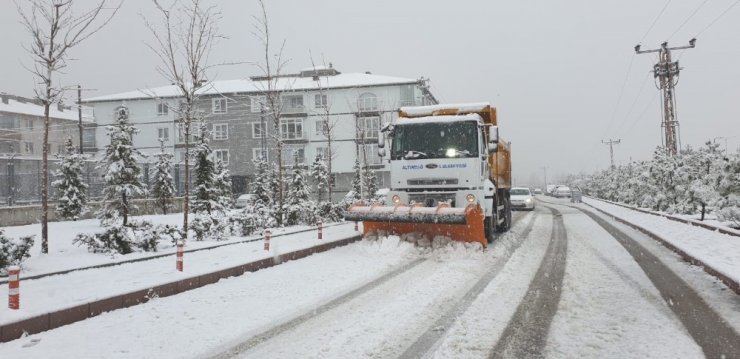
x: 14, y: 252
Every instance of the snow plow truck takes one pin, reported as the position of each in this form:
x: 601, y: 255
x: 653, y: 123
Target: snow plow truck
x: 450, y: 175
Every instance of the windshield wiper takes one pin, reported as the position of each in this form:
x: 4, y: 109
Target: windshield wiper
x: 415, y: 154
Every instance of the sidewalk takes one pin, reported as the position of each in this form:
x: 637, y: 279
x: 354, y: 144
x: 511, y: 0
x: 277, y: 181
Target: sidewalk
x: 57, y: 300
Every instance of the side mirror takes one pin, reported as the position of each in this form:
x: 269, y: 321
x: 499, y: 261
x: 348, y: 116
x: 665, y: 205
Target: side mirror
x: 493, y: 134
x: 493, y: 147
x: 381, y: 140
x: 381, y: 152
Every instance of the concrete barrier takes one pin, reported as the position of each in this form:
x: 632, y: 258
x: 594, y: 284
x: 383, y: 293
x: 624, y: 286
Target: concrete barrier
x: 23, y: 215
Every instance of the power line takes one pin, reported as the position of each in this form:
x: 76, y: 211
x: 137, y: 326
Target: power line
x: 611, y: 144
x: 655, y: 21
x: 688, y: 18
x: 718, y: 17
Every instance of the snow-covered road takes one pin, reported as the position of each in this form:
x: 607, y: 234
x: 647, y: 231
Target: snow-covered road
x: 386, y: 299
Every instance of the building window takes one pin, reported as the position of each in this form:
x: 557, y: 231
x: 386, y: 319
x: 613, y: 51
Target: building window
x: 29, y: 124
x: 88, y: 137
x: 256, y: 152
x: 322, y: 152
x: 291, y: 128
x: 320, y: 101
x: 257, y: 103
x: 222, y: 155
x: 219, y: 105
x: 320, y: 129
x: 293, y: 155
x: 367, y: 102
x: 221, y: 131
x: 292, y: 103
x: 163, y: 133
x: 258, y: 130
x: 162, y: 109
x: 194, y: 133
x: 371, y: 151
x: 368, y: 127
x: 29, y: 147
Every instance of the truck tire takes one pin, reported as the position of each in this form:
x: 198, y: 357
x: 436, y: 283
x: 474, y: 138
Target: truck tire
x: 490, y: 224
x: 506, y: 224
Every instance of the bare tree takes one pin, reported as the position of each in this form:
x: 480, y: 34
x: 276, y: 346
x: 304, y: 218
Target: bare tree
x: 328, y: 124
x: 183, y: 42
x: 272, y: 69
x: 55, y: 29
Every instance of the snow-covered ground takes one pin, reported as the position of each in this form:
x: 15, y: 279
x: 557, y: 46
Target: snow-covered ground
x: 608, y: 307
x: 719, y: 251
x: 47, y: 294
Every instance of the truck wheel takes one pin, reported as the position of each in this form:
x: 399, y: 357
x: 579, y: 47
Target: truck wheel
x: 506, y: 224
x: 490, y: 224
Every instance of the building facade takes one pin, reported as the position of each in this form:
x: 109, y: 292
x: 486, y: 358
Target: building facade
x: 243, y: 126
x: 22, y: 127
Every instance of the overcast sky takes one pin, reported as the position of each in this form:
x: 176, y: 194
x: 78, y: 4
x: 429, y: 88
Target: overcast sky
x: 563, y: 74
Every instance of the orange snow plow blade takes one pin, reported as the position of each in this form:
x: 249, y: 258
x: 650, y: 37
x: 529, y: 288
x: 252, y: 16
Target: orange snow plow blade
x: 460, y: 224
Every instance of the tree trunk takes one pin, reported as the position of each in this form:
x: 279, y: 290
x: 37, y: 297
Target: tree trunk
x: 45, y: 178
x: 186, y: 206
x: 703, y: 208
x: 125, y: 209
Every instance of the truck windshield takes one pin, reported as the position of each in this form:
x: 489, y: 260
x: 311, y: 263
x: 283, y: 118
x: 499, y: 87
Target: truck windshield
x: 435, y: 140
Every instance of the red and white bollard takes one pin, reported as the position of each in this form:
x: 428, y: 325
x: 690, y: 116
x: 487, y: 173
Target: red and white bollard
x: 321, y: 230
x: 14, y: 282
x: 356, y: 227
x: 180, y: 247
x: 267, y: 239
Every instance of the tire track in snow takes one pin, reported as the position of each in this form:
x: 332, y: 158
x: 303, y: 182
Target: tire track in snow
x: 430, y: 339
x: 709, y: 330
x: 270, y: 333
x: 526, y: 334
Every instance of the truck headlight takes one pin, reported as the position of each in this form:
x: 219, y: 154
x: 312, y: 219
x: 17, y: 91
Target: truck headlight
x: 470, y: 197
x: 396, y: 199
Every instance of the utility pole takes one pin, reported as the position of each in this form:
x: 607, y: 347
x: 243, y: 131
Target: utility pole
x: 544, y: 168
x: 666, y: 74
x: 79, y: 113
x: 611, y: 144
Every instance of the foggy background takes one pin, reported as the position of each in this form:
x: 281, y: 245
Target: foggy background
x: 563, y: 75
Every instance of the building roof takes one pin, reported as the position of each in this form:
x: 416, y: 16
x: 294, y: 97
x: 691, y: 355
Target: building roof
x: 286, y: 83
x: 33, y: 109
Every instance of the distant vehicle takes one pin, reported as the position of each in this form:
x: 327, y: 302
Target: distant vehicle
x: 537, y: 191
x: 562, y: 192
x: 245, y: 200
x: 521, y: 198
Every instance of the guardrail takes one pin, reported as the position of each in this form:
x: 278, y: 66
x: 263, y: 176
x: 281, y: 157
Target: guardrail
x: 710, y: 227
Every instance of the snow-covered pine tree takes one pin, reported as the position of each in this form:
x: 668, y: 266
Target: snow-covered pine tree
x: 163, y: 189
x: 205, y: 195
x: 320, y: 175
x: 121, y: 171
x: 297, y: 204
x: 261, y: 185
x: 371, y: 184
x: 728, y: 204
x: 357, y: 184
x: 706, y: 170
x: 71, y: 190
x: 222, y: 183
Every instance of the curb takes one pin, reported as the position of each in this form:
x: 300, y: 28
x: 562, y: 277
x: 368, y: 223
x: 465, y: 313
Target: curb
x: 729, y: 282
x: 4, y: 279
x: 44, y: 322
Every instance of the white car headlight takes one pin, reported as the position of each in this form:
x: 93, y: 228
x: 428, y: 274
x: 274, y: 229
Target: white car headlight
x: 528, y: 200
x: 396, y: 199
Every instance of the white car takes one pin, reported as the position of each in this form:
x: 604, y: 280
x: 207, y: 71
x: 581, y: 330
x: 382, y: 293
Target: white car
x: 562, y: 192
x: 521, y: 198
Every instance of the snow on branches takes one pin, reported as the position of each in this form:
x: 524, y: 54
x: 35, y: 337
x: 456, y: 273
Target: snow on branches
x: 71, y: 190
